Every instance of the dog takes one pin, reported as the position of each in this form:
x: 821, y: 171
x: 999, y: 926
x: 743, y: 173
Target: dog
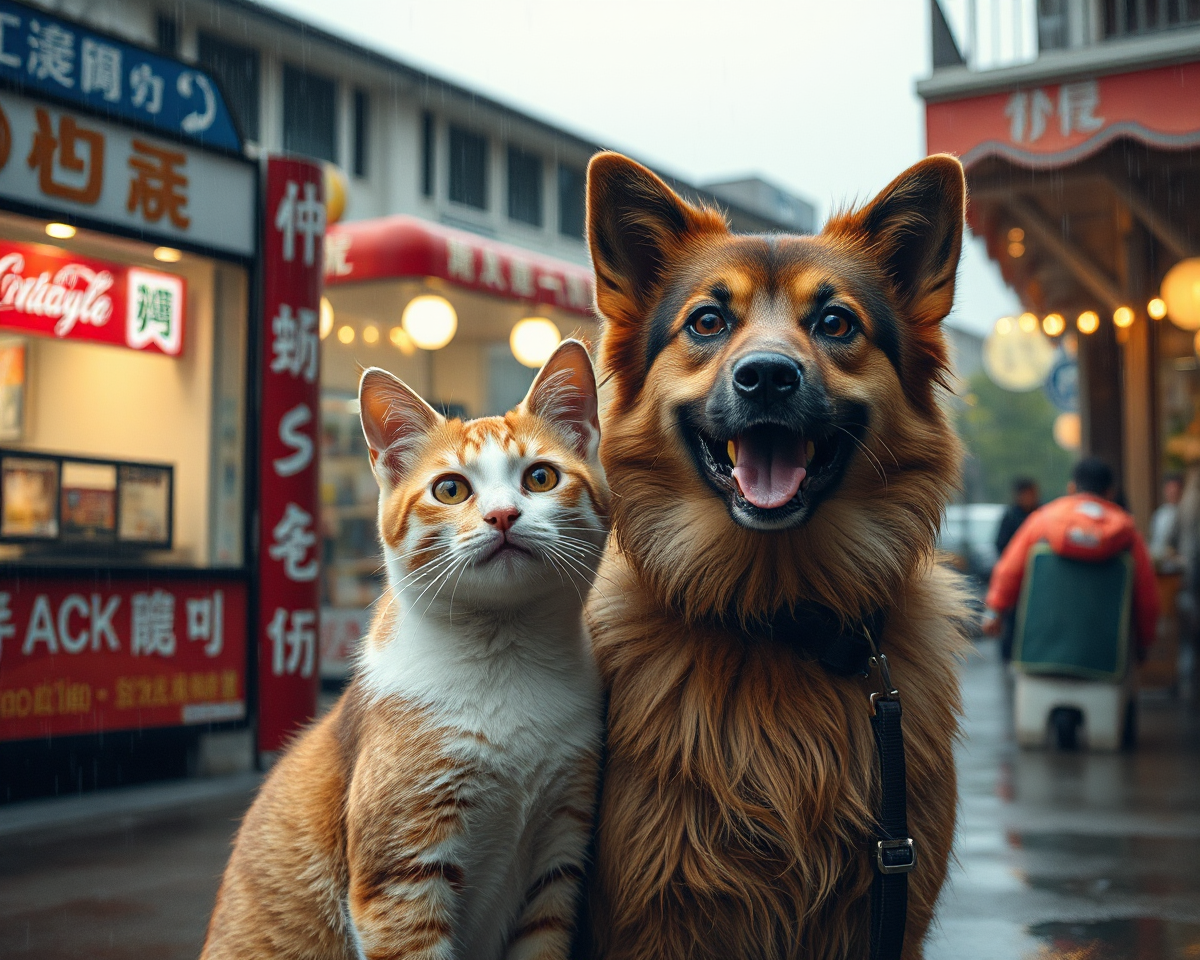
x: 775, y: 437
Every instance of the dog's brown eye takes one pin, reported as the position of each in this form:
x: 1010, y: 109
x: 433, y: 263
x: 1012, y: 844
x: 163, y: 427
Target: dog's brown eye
x: 707, y: 324
x: 451, y: 489
x: 835, y: 325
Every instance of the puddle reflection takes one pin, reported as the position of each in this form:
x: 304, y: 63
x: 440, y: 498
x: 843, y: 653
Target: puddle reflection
x: 1132, y: 938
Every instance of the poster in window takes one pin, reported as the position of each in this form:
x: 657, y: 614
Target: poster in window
x: 29, y: 487
x: 12, y: 389
x: 145, y: 505
x: 89, y: 501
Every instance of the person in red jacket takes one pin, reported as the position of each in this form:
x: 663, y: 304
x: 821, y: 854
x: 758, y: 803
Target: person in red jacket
x: 1084, y: 525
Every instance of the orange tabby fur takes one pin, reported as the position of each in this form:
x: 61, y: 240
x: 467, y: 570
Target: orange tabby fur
x: 443, y: 807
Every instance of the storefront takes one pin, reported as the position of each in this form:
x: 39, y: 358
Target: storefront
x: 1084, y: 179
x: 464, y: 320
x: 128, y: 261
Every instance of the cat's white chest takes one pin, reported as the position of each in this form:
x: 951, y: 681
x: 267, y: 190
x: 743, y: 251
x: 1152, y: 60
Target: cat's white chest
x: 520, y: 716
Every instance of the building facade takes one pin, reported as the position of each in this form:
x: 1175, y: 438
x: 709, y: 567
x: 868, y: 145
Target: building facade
x: 1078, y: 122
x: 138, y: 475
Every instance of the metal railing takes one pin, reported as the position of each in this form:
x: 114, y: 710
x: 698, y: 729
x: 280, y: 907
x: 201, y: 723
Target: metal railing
x: 987, y: 34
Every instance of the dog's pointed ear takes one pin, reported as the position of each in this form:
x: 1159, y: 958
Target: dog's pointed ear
x: 636, y: 225
x: 915, y: 227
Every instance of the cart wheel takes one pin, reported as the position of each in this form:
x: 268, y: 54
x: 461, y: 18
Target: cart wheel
x: 1129, y: 731
x: 1065, y: 723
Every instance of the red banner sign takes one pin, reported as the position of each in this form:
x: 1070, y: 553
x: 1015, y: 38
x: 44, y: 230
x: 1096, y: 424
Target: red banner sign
x: 53, y: 293
x: 289, y: 548
x: 396, y: 247
x: 84, y: 656
x: 1056, y: 124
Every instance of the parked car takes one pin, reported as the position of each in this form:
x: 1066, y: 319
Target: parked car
x: 968, y: 536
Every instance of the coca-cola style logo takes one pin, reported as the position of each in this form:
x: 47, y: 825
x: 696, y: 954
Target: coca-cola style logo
x: 75, y: 294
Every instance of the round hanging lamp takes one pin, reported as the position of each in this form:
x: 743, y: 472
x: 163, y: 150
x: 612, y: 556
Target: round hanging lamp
x: 429, y: 321
x: 533, y: 340
x: 1181, y: 293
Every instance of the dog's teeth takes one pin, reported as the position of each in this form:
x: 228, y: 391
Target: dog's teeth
x: 731, y: 449
x: 809, y: 449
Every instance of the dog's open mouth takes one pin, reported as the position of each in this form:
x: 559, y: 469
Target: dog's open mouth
x: 770, y: 473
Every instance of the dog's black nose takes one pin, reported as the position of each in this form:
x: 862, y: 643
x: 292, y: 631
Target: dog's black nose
x: 766, y: 377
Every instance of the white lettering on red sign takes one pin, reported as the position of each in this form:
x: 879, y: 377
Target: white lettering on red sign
x: 291, y: 436
x: 76, y: 294
x: 1029, y: 111
x: 293, y: 539
x: 42, y: 623
x: 460, y: 260
x: 294, y: 649
x: 300, y: 216
x: 206, y: 620
x: 295, y: 346
x: 153, y: 630
x: 7, y: 629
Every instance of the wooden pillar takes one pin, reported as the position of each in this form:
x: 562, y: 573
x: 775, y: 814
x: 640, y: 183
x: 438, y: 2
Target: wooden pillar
x: 1100, y: 402
x: 1140, y: 464
x: 1140, y: 460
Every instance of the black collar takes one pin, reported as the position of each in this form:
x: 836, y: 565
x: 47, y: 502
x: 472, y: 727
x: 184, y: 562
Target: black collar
x: 816, y: 632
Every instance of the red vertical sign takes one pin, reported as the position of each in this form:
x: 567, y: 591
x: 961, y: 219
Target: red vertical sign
x: 288, y: 533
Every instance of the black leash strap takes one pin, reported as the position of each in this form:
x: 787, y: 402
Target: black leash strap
x: 895, y: 854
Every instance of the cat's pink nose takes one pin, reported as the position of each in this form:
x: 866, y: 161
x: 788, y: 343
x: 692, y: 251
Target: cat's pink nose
x: 503, y: 518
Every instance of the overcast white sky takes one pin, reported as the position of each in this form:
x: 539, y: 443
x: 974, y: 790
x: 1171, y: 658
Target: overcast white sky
x: 817, y: 97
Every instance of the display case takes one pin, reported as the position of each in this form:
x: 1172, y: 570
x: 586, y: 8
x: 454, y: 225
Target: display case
x: 65, y: 502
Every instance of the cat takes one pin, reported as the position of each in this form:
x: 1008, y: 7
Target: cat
x: 443, y: 808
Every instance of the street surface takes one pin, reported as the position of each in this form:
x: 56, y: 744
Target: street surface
x: 1061, y: 857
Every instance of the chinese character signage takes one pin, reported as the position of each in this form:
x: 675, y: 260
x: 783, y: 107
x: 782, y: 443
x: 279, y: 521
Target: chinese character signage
x: 400, y: 246
x: 86, y: 655
x: 39, y: 52
x: 63, y: 295
x: 1055, y: 124
x: 288, y: 562
x: 91, y: 169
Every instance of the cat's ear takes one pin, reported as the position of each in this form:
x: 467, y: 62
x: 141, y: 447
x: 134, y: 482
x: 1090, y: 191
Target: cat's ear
x: 564, y: 392
x: 394, y: 421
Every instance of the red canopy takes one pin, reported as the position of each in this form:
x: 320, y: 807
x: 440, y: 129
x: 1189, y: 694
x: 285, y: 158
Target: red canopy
x: 398, y: 247
x: 1060, y: 123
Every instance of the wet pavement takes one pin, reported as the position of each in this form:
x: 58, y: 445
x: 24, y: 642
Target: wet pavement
x: 1061, y: 856
x: 1073, y: 856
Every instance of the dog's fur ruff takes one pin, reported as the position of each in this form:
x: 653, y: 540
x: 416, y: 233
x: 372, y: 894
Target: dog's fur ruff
x: 737, y: 812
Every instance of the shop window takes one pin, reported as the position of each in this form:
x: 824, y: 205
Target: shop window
x: 468, y: 168
x: 122, y: 454
x: 236, y: 69
x: 309, y: 114
x: 362, y: 120
x: 166, y: 34
x: 571, y: 201
x: 427, y: 153
x: 524, y: 186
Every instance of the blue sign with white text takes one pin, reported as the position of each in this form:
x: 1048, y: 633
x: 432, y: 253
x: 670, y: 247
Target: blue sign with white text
x: 43, y: 53
x: 1062, y: 383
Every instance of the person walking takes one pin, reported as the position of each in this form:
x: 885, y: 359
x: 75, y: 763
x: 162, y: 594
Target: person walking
x: 1083, y: 525
x: 1025, y: 501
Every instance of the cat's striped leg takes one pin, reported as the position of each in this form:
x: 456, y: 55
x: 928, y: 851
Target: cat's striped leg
x: 547, y: 922
x: 405, y: 909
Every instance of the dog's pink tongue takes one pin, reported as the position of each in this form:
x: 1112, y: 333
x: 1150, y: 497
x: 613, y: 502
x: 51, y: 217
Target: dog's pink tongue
x: 770, y: 466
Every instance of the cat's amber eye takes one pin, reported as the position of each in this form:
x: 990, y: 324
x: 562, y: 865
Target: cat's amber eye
x: 451, y: 489
x: 541, y: 477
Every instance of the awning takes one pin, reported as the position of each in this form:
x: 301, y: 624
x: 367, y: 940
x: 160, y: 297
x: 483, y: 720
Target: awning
x: 1056, y: 124
x: 400, y: 247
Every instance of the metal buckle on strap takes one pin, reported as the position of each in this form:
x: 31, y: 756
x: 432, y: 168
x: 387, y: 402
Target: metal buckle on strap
x: 879, y: 661
x: 895, y: 856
